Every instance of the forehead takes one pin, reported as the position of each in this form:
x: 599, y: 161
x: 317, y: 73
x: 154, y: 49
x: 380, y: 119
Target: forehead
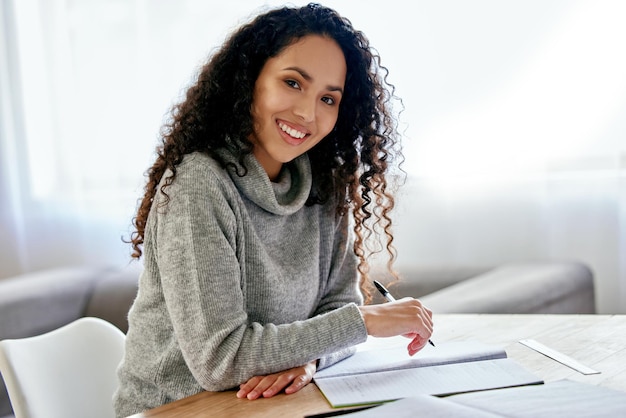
x: 319, y: 56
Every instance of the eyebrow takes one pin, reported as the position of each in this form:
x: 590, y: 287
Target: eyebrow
x: 308, y: 77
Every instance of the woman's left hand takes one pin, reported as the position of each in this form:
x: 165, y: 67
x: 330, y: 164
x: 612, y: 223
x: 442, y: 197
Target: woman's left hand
x: 292, y: 380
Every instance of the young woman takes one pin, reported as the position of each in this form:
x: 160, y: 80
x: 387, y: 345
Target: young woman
x: 270, y: 177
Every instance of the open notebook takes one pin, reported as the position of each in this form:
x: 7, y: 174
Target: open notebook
x: 380, y: 372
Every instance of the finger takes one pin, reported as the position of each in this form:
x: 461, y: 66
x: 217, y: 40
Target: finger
x: 426, y: 317
x: 279, y: 384
x: 416, y: 344
x: 298, y: 383
x: 246, y: 387
x: 430, y: 316
x: 421, y: 326
x: 420, y: 312
x: 261, y: 386
x: 423, y: 334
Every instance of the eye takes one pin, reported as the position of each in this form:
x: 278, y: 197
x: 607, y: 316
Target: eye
x: 328, y: 100
x: 292, y: 83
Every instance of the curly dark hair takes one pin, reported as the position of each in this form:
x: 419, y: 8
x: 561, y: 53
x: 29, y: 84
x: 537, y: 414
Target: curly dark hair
x: 349, y: 165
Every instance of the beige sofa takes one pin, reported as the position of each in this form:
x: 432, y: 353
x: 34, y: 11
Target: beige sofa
x: 35, y: 303
x: 524, y: 288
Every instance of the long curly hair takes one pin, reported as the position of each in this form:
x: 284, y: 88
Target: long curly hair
x: 348, y: 166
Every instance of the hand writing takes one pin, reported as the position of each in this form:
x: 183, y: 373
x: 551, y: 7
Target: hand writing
x: 406, y: 317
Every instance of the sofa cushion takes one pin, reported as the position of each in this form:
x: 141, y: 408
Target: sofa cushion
x: 564, y: 287
x: 113, y: 295
x: 418, y: 281
x: 34, y: 303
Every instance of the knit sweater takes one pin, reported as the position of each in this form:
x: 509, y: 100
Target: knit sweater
x: 240, y: 279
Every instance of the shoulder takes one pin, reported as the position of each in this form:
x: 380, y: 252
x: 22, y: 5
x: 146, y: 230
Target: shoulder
x: 198, y: 166
x: 200, y: 171
x: 198, y: 177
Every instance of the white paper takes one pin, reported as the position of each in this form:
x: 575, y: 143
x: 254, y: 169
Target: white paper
x: 396, y: 357
x: 563, y: 398
x: 556, y: 399
x: 422, y: 406
x: 434, y: 380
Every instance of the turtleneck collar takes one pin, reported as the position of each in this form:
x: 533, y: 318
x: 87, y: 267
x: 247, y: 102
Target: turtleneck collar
x: 285, y: 196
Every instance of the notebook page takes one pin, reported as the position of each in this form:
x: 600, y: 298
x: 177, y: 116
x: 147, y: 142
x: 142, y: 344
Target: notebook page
x: 396, y: 357
x: 436, y: 380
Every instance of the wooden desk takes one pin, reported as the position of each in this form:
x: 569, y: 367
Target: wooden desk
x: 598, y: 341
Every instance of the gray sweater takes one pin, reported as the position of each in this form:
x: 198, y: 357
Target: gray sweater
x: 240, y: 279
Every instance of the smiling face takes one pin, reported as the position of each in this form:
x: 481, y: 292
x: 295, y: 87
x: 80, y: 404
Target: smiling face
x: 296, y: 100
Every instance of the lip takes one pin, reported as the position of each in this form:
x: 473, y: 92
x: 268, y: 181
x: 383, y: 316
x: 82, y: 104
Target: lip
x: 290, y: 139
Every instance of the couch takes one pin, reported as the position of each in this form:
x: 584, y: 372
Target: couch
x: 34, y: 303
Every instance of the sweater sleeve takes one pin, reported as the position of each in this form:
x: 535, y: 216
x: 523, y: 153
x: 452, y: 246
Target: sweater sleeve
x: 342, y: 285
x: 197, y: 236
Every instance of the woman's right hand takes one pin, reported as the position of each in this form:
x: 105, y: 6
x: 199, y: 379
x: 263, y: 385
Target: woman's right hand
x: 406, y: 317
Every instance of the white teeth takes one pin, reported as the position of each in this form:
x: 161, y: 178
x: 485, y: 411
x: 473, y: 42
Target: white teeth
x: 291, y: 132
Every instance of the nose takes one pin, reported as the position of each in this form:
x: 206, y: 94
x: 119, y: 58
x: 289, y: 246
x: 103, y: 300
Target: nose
x: 305, y: 109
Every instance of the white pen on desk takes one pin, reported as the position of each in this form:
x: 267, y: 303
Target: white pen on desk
x: 383, y: 291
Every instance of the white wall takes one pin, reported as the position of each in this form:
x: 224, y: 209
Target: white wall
x: 563, y: 217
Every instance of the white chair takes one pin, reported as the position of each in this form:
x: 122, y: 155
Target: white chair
x: 69, y: 372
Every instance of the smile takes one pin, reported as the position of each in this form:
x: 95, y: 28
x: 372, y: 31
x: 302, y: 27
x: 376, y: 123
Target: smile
x: 291, y: 132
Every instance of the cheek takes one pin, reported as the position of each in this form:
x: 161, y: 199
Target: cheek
x: 265, y: 107
x: 328, y: 123
x: 261, y: 105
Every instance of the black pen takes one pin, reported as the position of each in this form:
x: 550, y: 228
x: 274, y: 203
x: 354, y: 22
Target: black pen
x: 383, y: 291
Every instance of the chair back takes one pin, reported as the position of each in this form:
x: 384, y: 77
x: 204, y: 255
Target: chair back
x: 67, y: 372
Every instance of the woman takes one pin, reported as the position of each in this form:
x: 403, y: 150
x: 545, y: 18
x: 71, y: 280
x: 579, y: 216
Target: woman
x: 275, y: 158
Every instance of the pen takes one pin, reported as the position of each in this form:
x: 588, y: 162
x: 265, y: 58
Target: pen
x: 383, y: 291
